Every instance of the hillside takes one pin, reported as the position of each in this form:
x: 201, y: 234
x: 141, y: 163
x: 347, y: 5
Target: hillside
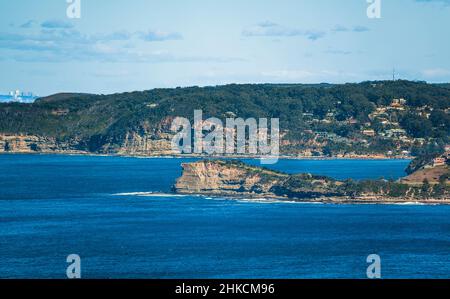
x: 431, y: 175
x: 432, y: 169
x: 390, y: 118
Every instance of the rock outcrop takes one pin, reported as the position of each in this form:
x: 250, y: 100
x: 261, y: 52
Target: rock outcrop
x: 229, y: 178
x: 36, y: 144
x: 133, y: 144
x: 232, y: 178
x: 239, y: 179
x: 146, y: 145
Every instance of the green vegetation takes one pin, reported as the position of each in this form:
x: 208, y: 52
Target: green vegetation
x: 308, y: 186
x: 339, y: 110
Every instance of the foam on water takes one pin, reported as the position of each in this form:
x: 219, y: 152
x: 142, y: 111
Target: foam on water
x: 149, y: 194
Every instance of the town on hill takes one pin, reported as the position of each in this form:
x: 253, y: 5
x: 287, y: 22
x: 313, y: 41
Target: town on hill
x: 377, y: 119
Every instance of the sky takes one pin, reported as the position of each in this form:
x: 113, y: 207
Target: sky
x: 127, y: 45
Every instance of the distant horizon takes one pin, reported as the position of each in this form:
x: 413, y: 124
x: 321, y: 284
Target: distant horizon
x: 228, y: 84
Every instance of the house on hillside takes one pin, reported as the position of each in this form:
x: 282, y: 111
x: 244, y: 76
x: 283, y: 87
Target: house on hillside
x: 369, y: 132
x: 440, y: 161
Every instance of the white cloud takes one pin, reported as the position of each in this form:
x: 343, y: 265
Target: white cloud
x: 56, y: 42
x: 270, y: 29
x: 53, y: 24
x: 155, y: 35
x: 444, y: 2
x: 289, y: 74
x: 357, y: 28
x: 310, y: 76
x: 437, y: 72
x: 274, y: 30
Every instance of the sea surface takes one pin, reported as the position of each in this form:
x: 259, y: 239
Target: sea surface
x: 118, y: 215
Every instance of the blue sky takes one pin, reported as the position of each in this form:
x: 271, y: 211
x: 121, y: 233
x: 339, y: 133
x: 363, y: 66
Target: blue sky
x: 125, y: 45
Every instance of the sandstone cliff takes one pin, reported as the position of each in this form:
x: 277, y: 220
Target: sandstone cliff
x: 134, y: 144
x: 236, y: 178
x: 219, y: 177
x: 232, y: 178
x: 36, y: 144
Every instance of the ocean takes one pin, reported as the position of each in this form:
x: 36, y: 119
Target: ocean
x: 119, y: 216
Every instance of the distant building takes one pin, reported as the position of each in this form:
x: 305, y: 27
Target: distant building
x: 322, y: 134
x: 398, y: 104
x: 439, y: 161
x: 18, y: 96
x: 398, y: 133
x: 152, y: 105
x: 370, y: 132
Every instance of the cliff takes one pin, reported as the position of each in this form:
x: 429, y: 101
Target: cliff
x: 238, y: 179
x: 232, y: 178
x: 26, y: 144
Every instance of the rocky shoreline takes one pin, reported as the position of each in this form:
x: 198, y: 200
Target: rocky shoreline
x: 361, y: 200
x: 238, y: 180
x: 135, y: 146
x: 181, y: 156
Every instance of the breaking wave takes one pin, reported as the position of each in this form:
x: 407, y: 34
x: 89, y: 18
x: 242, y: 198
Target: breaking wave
x: 149, y: 194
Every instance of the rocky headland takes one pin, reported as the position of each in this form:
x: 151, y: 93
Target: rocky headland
x: 236, y: 179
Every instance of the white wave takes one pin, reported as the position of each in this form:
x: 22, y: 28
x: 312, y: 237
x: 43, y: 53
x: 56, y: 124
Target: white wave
x: 269, y: 201
x: 410, y: 203
x: 149, y: 194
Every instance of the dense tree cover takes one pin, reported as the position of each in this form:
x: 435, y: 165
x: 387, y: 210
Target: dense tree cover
x: 97, y: 119
x: 417, y: 126
x: 394, y: 189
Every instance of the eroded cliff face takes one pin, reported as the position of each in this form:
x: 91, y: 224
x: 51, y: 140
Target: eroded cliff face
x: 35, y: 144
x: 232, y: 178
x: 222, y: 178
x: 134, y: 144
x: 144, y: 139
x: 146, y: 145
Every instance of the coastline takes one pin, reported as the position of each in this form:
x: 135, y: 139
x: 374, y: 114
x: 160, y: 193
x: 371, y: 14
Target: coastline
x: 369, y: 200
x: 181, y: 156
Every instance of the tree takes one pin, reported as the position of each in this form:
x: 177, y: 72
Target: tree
x: 425, y: 188
x: 416, y: 126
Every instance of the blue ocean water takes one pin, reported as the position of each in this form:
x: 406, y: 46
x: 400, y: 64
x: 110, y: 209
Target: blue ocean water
x: 53, y: 206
